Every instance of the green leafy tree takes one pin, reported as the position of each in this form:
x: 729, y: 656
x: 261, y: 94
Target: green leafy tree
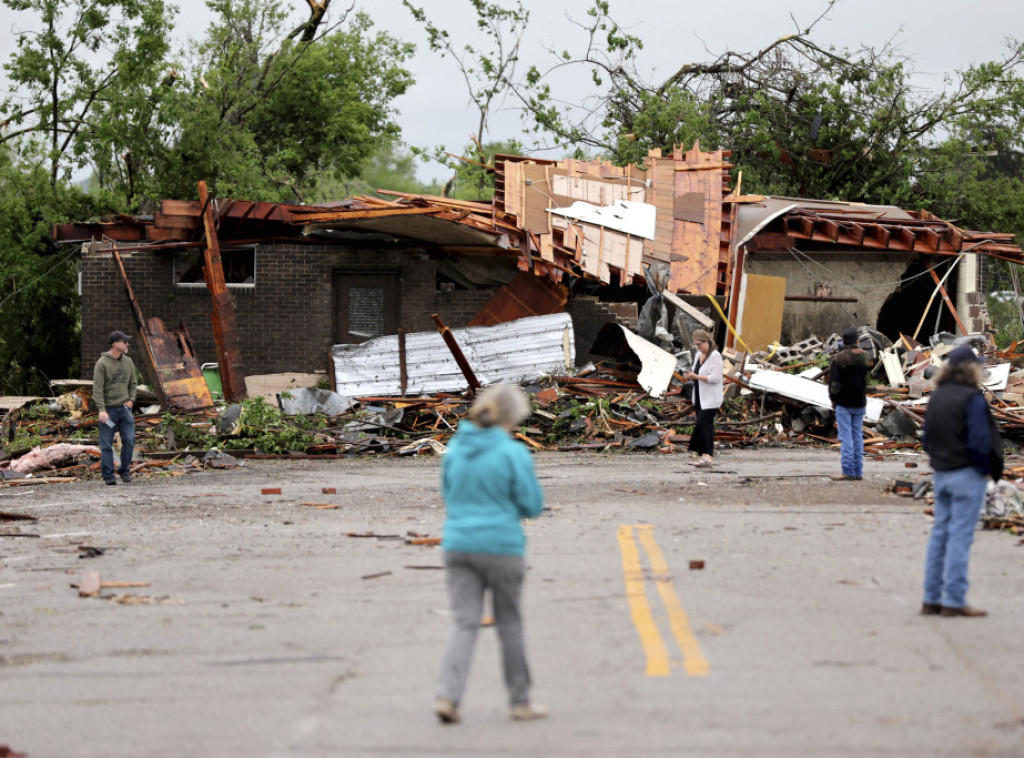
x: 262, y: 114
x: 71, y: 57
x: 800, y: 118
x: 39, y: 325
x: 393, y: 167
x: 474, y: 180
x: 69, y: 60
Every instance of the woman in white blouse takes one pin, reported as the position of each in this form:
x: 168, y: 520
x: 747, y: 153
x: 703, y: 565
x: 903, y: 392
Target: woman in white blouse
x: 706, y: 377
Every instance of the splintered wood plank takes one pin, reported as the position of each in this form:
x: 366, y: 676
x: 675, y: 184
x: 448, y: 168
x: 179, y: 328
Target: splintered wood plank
x: 547, y: 248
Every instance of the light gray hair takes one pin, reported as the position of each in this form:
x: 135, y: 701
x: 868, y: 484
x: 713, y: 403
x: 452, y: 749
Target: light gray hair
x: 503, y: 405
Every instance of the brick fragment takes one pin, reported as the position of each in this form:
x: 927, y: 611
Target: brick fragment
x: 89, y: 584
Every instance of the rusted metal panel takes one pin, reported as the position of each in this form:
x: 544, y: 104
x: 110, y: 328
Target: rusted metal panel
x: 404, y: 370
x: 225, y: 334
x: 526, y: 295
x: 168, y: 357
x: 453, y: 346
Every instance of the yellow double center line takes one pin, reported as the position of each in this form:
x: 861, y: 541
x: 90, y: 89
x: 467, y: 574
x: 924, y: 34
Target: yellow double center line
x: 658, y: 662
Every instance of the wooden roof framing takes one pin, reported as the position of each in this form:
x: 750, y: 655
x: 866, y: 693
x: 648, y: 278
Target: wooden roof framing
x: 693, y: 232
x: 923, y: 233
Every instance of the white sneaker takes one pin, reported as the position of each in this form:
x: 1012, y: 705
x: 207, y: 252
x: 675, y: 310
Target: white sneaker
x: 527, y: 712
x: 446, y: 711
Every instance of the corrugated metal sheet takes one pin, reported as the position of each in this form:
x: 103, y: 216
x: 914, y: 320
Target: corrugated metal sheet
x: 515, y: 351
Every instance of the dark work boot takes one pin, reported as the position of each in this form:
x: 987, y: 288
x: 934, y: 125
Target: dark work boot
x: 967, y: 611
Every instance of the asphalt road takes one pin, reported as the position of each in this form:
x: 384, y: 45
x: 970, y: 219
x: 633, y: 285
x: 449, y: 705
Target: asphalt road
x: 265, y: 630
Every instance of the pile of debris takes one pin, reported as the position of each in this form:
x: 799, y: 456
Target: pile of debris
x: 636, y: 400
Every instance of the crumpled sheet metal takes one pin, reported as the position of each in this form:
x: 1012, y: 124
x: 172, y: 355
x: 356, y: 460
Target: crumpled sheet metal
x: 1003, y: 499
x: 806, y: 391
x: 513, y: 352
x: 309, y: 400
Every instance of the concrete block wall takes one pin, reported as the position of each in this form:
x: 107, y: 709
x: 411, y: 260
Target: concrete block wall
x: 285, y: 322
x: 976, y: 319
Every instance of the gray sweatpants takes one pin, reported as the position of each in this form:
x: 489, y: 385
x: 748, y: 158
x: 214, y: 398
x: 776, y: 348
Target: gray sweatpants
x: 468, y: 575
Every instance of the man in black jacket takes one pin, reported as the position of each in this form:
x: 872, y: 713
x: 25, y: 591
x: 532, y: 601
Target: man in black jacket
x: 847, y: 388
x: 962, y: 441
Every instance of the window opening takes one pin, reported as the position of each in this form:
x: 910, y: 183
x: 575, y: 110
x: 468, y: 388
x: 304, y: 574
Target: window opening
x: 239, y: 266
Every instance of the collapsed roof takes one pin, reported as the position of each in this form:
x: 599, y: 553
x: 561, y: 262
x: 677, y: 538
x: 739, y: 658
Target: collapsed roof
x: 588, y: 219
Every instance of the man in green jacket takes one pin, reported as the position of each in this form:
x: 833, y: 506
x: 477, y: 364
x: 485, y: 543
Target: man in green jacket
x: 113, y: 392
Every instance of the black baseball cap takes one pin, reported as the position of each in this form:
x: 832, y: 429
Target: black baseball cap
x: 851, y: 336
x: 118, y: 337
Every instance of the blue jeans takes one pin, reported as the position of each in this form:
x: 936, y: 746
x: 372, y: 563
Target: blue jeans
x: 124, y: 424
x: 959, y: 495
x: 850, y: 422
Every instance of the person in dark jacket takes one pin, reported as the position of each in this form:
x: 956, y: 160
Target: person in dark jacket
x: 847, y: 387
x: 963, y: 443
x: 489, y: 486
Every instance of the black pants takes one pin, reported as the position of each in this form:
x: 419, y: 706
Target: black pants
x: 702, y: 440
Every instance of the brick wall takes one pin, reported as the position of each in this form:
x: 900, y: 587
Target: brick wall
x: 285, y: 323
x: 457, y: 307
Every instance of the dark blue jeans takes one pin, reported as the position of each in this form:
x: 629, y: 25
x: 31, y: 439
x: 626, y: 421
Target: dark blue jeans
x: 124, y: 424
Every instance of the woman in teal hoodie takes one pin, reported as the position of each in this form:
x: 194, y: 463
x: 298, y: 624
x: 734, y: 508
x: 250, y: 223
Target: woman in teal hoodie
x: 488, y: 484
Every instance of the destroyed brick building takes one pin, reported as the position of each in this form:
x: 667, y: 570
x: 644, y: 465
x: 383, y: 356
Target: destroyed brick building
x: 584, y: 237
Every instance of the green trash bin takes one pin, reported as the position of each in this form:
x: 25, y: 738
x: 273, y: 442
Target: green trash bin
x: 211, y: 373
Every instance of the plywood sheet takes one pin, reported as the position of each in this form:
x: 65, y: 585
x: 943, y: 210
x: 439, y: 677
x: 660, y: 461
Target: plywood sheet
x: 537, y: 198
x: 269, y: 386
x: 697, y: 175
x: 760, y: 317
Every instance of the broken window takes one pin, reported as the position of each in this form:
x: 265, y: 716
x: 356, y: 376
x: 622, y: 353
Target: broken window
x: 239, y: 264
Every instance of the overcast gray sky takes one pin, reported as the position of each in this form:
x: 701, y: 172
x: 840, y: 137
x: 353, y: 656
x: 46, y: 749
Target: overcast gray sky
x: 940, y: 35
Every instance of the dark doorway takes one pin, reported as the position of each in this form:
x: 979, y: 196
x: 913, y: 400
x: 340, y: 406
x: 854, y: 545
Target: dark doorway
x: 365, y: 306
x: 901, y: 313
